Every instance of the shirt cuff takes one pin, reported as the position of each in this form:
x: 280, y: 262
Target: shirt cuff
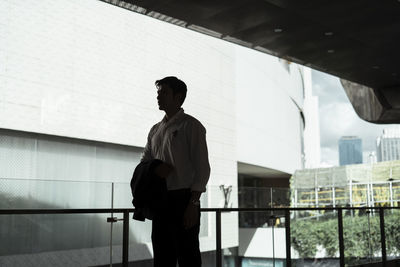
x: 198, y: 188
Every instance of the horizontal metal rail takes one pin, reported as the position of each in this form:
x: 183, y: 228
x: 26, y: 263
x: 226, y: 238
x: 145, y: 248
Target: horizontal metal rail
x: 218, y: 212
x: 130, y: 210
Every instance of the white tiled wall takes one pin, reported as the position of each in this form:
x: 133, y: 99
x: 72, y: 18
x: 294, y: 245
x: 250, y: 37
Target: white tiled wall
x: 269, y: 101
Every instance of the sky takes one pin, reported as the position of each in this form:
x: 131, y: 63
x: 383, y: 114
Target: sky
x: 337, y: 118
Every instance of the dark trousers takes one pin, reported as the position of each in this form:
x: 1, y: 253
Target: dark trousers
x: 171, y: 242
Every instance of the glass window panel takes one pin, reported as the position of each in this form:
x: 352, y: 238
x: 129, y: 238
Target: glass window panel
x: 325, y: 197
x: 392, y: 233
x: 362, y: 243
x: 359, y: 194
x: 341, y: 196
x: 381, y: 193
x: 306, y: 196
x: 314, y: 239
x: 55, y: 240
x: 396, y: 194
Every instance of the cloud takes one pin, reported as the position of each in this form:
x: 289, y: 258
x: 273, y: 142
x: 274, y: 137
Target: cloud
x: 329, y: 157
x: 324, y: 86
x: 336, y: 120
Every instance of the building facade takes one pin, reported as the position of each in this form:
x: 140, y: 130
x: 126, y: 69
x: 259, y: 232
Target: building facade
x: 312, y: 144
x: 388, y: 145
x: 350, y: 150
x: 77, y: 100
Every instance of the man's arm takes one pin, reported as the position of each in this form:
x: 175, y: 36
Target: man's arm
x: 199, y: 157
x: 146, y: 154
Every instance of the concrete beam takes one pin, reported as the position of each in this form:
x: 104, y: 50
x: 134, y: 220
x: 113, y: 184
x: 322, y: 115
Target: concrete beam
x: 379, y: 106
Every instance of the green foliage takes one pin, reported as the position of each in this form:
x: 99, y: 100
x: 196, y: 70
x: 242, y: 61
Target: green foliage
x: 328, y: 237
x: 361, y: 239
x: 361, y: 236
x: 392, y: 231
x: 304, y: 239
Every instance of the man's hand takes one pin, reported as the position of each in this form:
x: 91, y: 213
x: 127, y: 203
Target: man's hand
x: 191, y: 216
x: 163, y: 170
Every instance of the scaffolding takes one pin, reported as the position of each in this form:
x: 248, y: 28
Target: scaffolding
x: 361, y: 185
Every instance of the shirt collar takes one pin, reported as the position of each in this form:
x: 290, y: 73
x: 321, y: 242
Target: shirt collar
x: 174, y: 118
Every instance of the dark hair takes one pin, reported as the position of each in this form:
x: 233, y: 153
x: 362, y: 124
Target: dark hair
x: 177, y: 86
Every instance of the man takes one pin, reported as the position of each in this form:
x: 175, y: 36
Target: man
x: 179, y: 140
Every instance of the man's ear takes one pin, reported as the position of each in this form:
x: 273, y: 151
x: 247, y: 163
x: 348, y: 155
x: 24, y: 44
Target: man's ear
x: 179, y: 97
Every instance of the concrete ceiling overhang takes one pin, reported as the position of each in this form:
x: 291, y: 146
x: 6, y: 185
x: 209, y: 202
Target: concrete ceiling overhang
x: 356, y: 40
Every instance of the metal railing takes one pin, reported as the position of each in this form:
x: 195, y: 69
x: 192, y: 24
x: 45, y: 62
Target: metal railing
x: 218, y: 212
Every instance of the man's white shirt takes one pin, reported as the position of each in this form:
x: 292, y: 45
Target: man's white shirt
x: 180, y: 142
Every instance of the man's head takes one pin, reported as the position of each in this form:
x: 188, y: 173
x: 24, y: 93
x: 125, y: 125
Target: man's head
x: 171, y: 93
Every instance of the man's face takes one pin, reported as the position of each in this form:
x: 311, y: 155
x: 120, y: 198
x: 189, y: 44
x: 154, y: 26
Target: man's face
x: 166, y: 99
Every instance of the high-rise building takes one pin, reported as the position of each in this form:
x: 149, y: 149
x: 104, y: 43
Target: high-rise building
x: 350, y: 150
x: 388, y: 145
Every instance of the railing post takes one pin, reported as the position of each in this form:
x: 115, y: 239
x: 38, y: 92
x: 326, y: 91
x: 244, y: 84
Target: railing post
x: 125, y: 240
x: 383, y: 238
x: 111, y: 220
x: 341, y: 238
x: 218, y: 239
x: 288, y: 240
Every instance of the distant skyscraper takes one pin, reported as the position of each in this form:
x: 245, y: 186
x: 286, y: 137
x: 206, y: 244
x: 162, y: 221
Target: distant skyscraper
x: 388, y: 145
x: 350, y: 150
